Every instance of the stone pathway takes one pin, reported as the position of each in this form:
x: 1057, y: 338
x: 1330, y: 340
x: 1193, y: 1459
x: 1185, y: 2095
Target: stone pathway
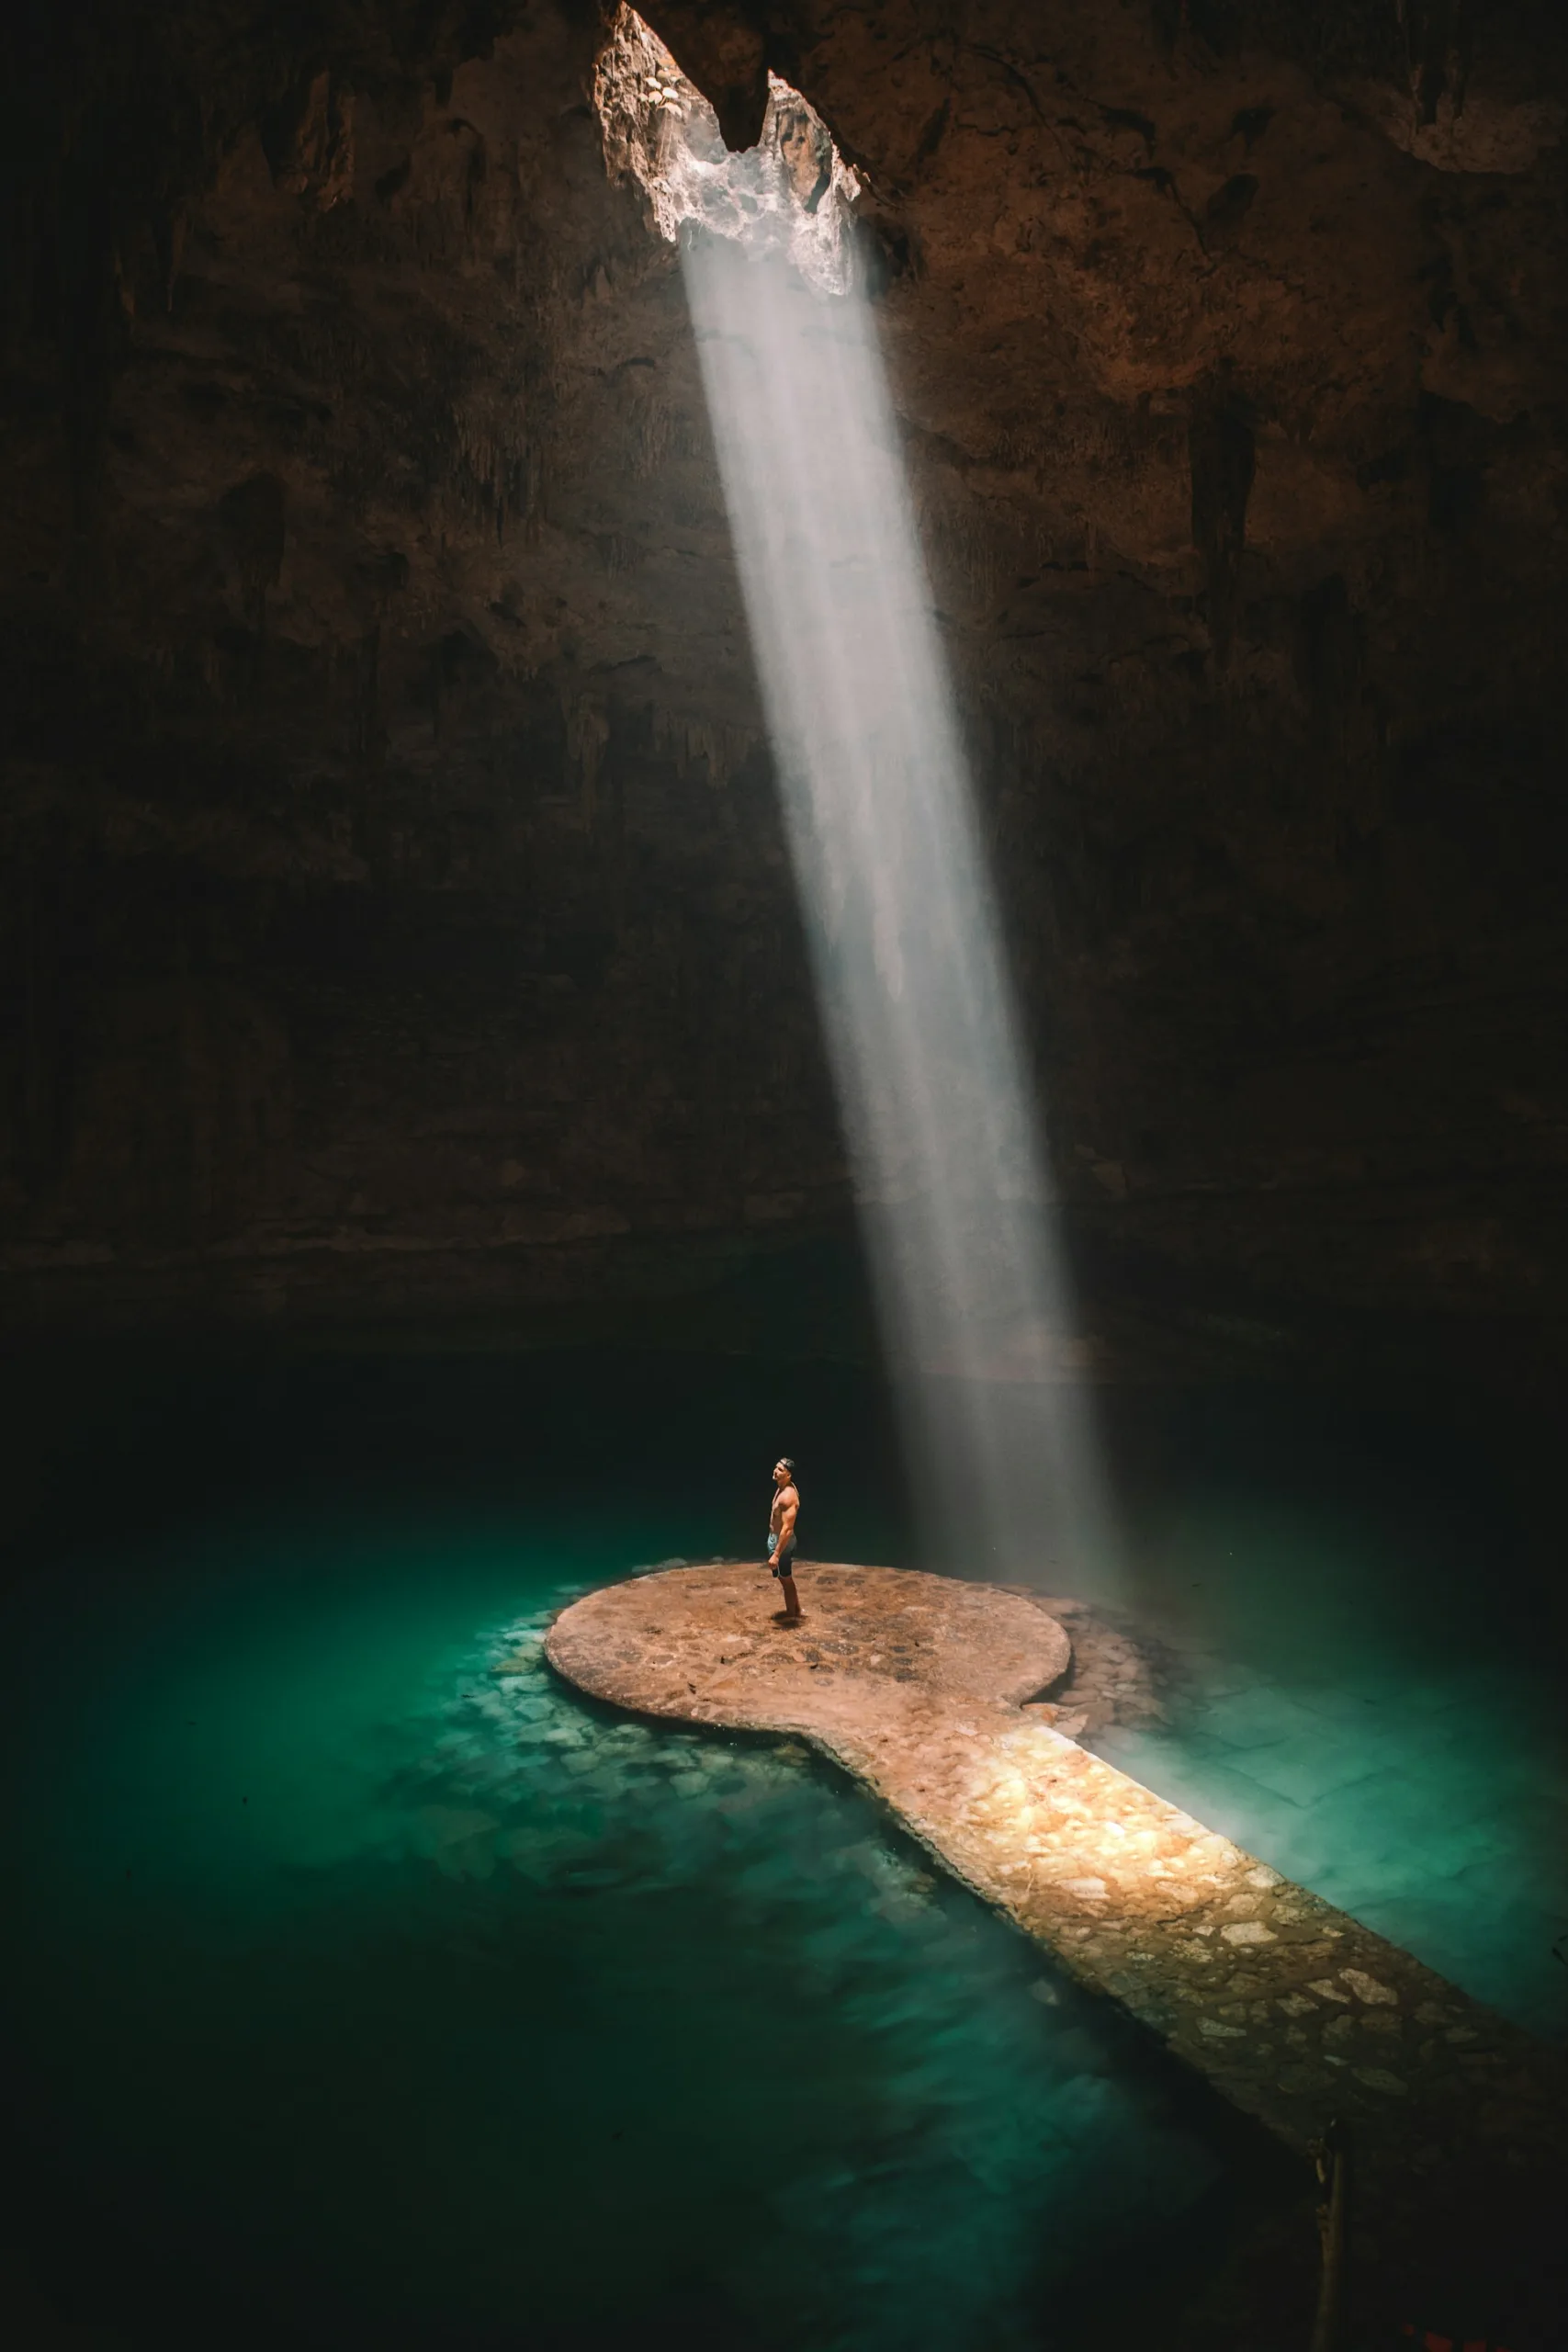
x: 921, y: 1687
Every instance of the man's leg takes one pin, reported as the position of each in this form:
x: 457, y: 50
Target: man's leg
x: 791, y: 1598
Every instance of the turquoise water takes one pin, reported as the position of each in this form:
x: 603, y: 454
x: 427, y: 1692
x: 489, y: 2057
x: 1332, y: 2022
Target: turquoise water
x: 1375, y: 1721
x: 375, y: 1988
x: 368, y: 1986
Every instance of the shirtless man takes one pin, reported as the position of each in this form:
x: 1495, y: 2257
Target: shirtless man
x: 781, y: 1538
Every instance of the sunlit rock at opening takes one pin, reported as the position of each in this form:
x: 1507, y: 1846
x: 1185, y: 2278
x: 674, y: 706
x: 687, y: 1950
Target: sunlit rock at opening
x: 790, y: 195
x: 935, y: 1095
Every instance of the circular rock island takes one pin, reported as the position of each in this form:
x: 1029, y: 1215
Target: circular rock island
x: 875, y: 1647
x: 1294, y: 2011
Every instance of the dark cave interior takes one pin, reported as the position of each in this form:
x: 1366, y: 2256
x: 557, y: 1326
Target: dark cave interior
x: 415, y: 1116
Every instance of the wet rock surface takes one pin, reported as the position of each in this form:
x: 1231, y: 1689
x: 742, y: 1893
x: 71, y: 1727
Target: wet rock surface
x: 1110, y: 1683
x: 1297, y: 2014
x: 874, y: 1643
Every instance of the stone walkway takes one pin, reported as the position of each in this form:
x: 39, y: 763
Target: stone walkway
x: 920, y: 1687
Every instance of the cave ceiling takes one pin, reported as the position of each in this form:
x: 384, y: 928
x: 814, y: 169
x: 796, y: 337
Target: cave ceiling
x: 396, y: 912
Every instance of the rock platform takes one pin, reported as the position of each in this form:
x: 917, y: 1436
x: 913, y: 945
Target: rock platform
x: 933, y: 1693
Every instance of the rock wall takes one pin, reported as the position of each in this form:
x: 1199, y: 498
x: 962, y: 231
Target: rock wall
x: 395, y: 909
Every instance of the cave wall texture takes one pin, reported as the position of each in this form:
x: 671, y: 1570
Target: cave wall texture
x: 396, y: 914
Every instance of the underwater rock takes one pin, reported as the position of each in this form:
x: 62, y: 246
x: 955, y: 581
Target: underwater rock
x: 1132, y: 1895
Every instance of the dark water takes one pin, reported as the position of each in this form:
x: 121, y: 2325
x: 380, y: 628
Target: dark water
x: 368, y: 1986
x: 372, y: 1987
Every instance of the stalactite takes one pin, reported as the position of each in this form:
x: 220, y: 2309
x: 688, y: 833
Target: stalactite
x: 587, y: 739
x: 1437, y: 45
x: 1221, y: 449
x: 251, y: 518
x: 703, y: 746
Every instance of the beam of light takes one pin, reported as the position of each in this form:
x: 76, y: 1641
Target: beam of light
x: 935, y: 1095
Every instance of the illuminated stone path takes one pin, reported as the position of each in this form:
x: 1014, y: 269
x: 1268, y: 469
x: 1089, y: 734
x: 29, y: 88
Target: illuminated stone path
x: 1291, y: 2009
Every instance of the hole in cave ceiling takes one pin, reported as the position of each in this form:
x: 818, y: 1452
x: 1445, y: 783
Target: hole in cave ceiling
x: 791, y: 194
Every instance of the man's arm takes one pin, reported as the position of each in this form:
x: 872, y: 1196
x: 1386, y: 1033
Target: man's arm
x: 791, y: 1502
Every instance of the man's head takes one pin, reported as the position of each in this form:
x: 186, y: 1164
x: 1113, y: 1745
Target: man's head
x: 784, y: 1471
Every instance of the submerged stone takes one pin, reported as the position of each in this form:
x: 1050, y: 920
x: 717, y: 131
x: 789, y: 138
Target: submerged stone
x: 932, y: 1706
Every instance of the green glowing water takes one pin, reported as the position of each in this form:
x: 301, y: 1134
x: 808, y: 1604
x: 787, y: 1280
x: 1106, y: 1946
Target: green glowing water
x: 377, y: 1989
x: 367, y: 1987
x: 1391, y: 1738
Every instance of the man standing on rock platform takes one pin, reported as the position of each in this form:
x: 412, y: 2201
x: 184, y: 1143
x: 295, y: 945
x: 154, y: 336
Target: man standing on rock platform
x: 781, y: 1538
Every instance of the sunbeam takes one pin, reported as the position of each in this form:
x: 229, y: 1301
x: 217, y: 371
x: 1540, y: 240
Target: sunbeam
x: 936, y: 1096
